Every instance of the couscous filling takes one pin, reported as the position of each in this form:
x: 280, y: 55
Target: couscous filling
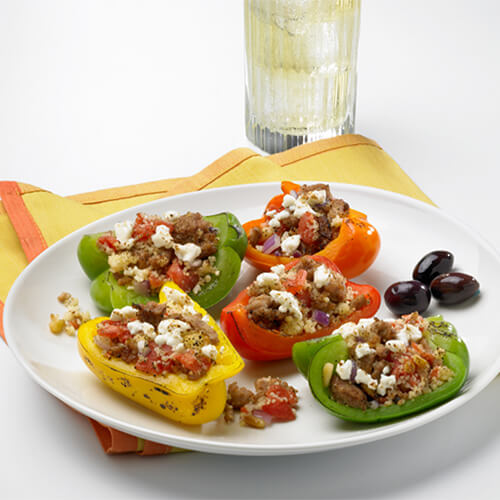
x: 390, y: 362
x: 161, y: 338
x: 304, y: 224
x: 145, y: 253
x: 303, y: 299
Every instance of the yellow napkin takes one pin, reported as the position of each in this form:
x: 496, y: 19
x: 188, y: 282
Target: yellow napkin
x: 31, y: 218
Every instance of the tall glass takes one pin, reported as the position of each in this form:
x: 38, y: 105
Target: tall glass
x: 300, y: 70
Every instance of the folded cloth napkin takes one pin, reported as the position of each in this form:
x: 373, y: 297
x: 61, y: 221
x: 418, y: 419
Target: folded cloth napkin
x: 32, y: 219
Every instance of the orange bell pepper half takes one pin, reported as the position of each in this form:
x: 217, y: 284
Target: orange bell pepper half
x: 259, y: 344
x: 354, y: 249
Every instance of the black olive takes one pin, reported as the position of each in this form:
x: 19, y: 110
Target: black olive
x: 453, y: 288
x: 404, y: 297
x: 432, y: 265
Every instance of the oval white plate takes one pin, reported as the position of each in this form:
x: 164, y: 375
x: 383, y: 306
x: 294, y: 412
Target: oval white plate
x: 408, y: 229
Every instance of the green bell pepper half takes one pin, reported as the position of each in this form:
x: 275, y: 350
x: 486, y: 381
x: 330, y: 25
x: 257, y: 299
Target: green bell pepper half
x: 108, y: 294
x: 310, y: 357
x: 92, y: 260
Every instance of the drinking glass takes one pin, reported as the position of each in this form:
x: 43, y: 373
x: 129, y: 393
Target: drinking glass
x: 300, y: 70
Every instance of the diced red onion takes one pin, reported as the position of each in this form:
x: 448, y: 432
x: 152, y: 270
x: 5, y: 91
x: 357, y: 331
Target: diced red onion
x: 142, y: 287
x: 271, y: 244
x: 321, y: 317
x: 354, y: 371
x: 297, y: 254
x: 293, y: 193
x: 263, y: 415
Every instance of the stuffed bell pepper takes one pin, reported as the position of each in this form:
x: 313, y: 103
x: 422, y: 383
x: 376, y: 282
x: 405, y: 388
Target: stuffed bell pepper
x: 170, y: 357
x: 381, y: 370
x: 307, y: 298
x: 131, y: 263
x: 308, y: 220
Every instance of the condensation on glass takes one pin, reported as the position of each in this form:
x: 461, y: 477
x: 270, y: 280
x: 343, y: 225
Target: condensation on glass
x: 300, y: 70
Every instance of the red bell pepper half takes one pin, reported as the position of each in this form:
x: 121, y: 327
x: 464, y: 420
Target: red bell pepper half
x: 353, y: 250
x: 259, y: 344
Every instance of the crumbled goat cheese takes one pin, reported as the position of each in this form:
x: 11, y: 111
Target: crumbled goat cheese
x: 396, y: 345
x: 175, y: 296
x: 138, y: 274
x: 290, y: 244
x: 288, y: 303
x: 317, y: 196
x: 364, y: 322
x: 162, y: 237
x: 403, y: 338
x: 288, y: 202
x: 188, y: 252
x: 386, y: 382
x: 347, y: 329
x: 276, y: 219
x: 123, y: 231
x: 344, y: 369
x: 269, y: 280
x: 170, y: 332
x: 141, y: 346
x: 210, y: 351
x: 279, y: 269
x: 135, y: 327
x: 411, y: 332
x: 363, y: 349
x: 172, y: 326
x: 322, y: 276
x: 127, y: 312
x: 365, y: 378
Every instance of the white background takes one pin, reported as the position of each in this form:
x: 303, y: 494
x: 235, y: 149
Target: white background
x: 96, y: 94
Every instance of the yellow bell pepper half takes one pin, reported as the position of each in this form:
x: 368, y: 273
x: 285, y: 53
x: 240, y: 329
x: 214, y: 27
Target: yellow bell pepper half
x: 173, y: 396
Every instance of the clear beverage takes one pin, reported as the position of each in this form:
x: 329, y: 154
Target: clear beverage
x: 300, y: 70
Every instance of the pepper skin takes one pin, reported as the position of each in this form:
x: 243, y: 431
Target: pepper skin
x: 354, y: 249
x: 258, y: 344
x: 187, y: 401
x: 310, y: 357
x: 108, y: 294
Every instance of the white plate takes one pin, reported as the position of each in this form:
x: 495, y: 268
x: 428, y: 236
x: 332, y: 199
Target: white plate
x: 408, y: 229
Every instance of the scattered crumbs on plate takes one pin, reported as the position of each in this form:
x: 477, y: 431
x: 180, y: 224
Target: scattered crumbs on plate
x: 71, y: 320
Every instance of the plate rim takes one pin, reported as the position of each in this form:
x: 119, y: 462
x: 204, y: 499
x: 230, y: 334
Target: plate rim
x: 199, y: 443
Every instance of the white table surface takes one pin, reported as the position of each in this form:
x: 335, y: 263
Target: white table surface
x: 103, y: 93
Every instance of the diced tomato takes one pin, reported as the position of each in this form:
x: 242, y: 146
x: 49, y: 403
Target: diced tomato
x: 156, y: 281
x: 308, y: 228
x: 145, y: 227
x: 296, y: 284
x: 279, y: 410
x: 108, y: 241
x: 190, y: 363
x: 186, y: 281
x: 280, y: 402
x: 304, y: 296
x: 279, y: 391
x: 154, y: 364
x: 113, y: 330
